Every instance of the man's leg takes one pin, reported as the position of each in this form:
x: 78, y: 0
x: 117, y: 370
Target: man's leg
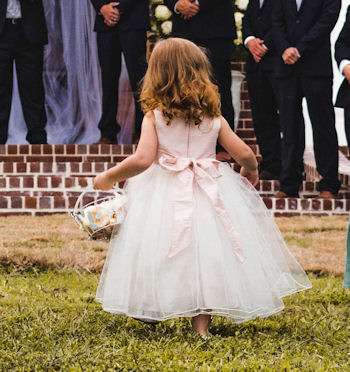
x: 318, y: 93
x: 266, y: 119
x: 29, y: 66
x: 347, y: 124
x: 109, y: 53
x: 134, y: 50
x: 6, y: 82
x: 293, y: 133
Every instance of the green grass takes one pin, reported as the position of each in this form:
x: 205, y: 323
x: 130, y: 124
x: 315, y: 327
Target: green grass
x: 50, y: 321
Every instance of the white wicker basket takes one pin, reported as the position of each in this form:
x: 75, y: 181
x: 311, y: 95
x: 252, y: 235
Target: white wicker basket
x: 98, y: 218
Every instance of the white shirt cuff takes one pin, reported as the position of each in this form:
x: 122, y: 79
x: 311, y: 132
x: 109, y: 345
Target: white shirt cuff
x: 175, y: 9
x: 247, y: 39
x: 342, y: 64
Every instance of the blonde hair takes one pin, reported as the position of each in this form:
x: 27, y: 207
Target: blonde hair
x: 178, y: 82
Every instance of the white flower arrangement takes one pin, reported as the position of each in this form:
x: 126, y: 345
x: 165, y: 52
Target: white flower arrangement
x: 162, y: 13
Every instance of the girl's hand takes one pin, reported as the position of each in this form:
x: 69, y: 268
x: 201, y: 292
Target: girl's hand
x: 103, y: 182
x: 252, y: 177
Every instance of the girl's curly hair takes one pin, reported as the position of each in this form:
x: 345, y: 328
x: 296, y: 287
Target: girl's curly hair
x: 179, y: 82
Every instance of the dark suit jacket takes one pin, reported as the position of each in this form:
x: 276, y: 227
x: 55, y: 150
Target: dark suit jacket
x: 33, y: 20
x: 134, y: 15
x: 342, y: 51
x: 309, y: 31
x: 257, y: 22
x: 214, y: 20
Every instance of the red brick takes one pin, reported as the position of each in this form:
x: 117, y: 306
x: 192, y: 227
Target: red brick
x: 280, y: 203
x: 70, y: 150
x: 36, y: 149
x: 286, y: 214
x: 48, y: 193
x: 100, y: 167
x: 305, y: 204
x: 61, y: 167
x: 59, y: 203
x: 45, y: 203
x: 71, y: 202
x: 3, y: 202
x: 116, y: 149
x: 74, y: 167
x: 348, y: 205
x: 59, y: 149
x: 2, y: 182
x: 3, y: 149
x: 68, y: 159
x: 268, y: 202
x: 56, y: 181
x: 338, y: 204
x: 83, y: 182
x: 82, y: 149
x: 105, y: 149
x: 98, y: 158
x: 12, y: 149
x: 47, y: 167
x: 293, y: 203
x: 118, y: 159
x: 14, y: 182
x: 245, y: 96
x: 43, y: 182
x: 245, y: 115
x: 127, y: 149
x: 47, y: 149
x: 93, y: 149
x: 28, y: 182
x: 309, y: 186
x: 16, y: 202
x: 86, y: 167
x: 69, y: 182
x: 35, y: 167
x: 30, y: 202
x: 8, y: 159
x: 21, y: 167
x: 266, y: 185
x: 316, y: 204
x: 41, y: 158
x: 327, y: 204
x: 24, y: 149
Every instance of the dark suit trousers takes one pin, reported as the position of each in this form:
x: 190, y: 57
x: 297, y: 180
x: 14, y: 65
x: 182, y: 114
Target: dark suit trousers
x: 220, y: 53
x: 263, y: 100
x: 318, y: 93
x: 110, y: 47
x: 29, y: 67
x: 347, y: 124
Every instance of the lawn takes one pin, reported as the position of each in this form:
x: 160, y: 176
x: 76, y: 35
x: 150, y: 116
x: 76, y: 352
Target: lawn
x: 50, y: 321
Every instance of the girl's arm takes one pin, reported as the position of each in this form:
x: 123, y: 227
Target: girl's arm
x: 136, y: 163
x: 240, y: 152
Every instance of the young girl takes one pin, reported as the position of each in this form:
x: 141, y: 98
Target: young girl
x: 197, y: 239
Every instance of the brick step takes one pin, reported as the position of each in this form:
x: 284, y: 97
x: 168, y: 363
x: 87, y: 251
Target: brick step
x: 48, y: 204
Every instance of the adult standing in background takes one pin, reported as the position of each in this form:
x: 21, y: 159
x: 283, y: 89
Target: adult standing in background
x: 342, y: 55
x: 301, y: 30
x: 121, y: 28
x: 260, y: 68
x: 210, y: 24
x: 23, y: 34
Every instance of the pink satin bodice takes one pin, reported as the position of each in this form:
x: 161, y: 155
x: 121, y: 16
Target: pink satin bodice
x: 187, y: 140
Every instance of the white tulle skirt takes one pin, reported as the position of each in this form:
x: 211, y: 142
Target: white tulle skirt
x: 140, y: 280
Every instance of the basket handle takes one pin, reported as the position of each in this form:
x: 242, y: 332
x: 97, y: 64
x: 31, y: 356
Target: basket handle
x: 78, y: 204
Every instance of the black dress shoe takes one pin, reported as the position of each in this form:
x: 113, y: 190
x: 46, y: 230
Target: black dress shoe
x: 106, y: 141
x: 147, y: 321
x: 266, y: 175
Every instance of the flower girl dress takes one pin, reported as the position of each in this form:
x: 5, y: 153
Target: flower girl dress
x: 197, y: 238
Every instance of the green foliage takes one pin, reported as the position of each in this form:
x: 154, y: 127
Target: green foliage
x: 50, y: 321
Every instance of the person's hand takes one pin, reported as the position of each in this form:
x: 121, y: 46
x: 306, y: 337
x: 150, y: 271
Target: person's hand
x: 187, y: 8
x: 103, y: 182
x: 257, y: 49
x: 111, y: 14
x: 290, y: 56
x: 252, y: 177
x: 346, y: 73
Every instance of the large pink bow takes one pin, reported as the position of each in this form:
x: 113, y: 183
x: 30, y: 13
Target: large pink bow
x: 204, y: 172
